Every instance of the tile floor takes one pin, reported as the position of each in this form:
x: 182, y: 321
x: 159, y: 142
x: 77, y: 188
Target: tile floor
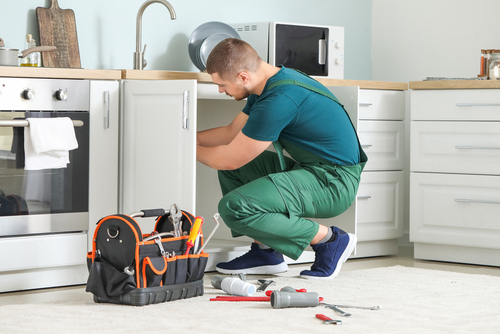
x: 404, y: 258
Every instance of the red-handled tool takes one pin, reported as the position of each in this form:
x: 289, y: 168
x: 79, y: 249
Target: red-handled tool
x: 240, y: 299
x: 327, y: 320
x: 269, y: 292
x: 195, y: 230
x: 245, y: 299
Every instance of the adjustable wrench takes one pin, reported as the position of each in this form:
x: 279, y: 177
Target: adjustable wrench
x: 175, y: 219
x: 336, y: 309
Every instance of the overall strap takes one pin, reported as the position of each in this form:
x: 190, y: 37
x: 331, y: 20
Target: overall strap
x: 306, y: 86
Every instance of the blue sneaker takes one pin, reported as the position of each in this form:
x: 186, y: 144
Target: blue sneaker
x: 256, y: 262
x: 331, y: 255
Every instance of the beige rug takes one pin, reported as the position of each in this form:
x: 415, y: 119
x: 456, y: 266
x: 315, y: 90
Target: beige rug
x: 413, y: 301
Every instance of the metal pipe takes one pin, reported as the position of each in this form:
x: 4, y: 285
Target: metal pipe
x: 138, y: 63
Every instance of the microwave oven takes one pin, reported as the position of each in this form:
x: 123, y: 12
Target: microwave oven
x: 315, y: 50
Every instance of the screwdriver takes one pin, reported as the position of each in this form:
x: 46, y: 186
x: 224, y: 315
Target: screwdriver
x: 195, y: 229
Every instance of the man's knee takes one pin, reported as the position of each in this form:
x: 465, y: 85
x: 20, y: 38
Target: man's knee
x: 230, y: 209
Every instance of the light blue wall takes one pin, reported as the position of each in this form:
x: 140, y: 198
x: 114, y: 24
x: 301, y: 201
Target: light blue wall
x: 106, y: 28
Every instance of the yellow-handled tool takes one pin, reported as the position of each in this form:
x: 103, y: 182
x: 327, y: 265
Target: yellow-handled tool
x: 195, y: 230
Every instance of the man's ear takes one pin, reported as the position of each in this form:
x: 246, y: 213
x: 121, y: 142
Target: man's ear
x: 244, y: 77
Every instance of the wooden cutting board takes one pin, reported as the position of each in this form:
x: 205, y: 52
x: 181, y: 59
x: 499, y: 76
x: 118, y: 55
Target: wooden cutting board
x: 57, y: 27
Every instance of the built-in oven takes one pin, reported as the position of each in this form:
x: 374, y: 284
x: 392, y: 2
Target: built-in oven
x: 43, y: 213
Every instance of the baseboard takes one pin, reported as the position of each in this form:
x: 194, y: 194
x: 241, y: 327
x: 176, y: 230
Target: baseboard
x: 375, y: 248
x: 457, y: 254
x: 43, y: 278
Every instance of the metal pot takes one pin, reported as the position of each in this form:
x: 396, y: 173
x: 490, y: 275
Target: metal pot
x: 10, y: 57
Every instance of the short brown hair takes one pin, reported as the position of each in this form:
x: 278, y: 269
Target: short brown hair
x: 232, y: 56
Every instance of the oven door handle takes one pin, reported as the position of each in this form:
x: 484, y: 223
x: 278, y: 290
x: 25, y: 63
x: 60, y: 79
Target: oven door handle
x: 22, y: 123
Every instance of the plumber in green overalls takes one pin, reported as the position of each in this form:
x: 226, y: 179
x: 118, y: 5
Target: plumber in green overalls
x: 267, y: 196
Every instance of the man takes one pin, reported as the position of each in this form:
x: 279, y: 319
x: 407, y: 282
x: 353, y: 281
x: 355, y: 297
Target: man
x: 266, y: 195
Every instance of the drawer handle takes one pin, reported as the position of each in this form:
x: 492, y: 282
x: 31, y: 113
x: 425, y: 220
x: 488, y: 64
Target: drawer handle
x: 465, y: 200
x: 477, y: 104
x: 366, y: 145
x: 477, y: 148
x: 365, y: 104
x: 364, y: 197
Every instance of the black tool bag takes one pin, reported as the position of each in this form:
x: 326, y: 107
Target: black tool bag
x: 127, y: 267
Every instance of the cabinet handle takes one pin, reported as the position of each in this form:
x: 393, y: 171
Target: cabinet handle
x: 366, y: 145
x: 365, y: 104
x: 364, y: 197
x: 106, y: 112
x: 185, y: 111
x: 477, y: 148
x: 477, y: 104
x: 465, y: 200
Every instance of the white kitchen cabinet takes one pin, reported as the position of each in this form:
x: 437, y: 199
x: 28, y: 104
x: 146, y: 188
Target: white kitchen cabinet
x: 103, y: 152
x: 158, y: 142
x: 455, y: 175
x: 377, y: 214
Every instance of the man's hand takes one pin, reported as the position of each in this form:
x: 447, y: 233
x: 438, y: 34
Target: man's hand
x: 234, y: 155
x: 222, y: 135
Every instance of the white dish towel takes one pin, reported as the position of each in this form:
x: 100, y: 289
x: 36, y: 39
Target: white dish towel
x: 47, y: 142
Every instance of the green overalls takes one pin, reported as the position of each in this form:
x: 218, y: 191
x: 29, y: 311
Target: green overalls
x: 269, y: 198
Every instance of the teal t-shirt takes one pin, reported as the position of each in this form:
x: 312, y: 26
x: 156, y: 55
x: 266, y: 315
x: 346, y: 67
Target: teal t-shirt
x: 304, y: 118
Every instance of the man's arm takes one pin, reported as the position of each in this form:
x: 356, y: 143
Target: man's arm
x: 234, y: 155
x: 222, y: 135
x: 226, y: 147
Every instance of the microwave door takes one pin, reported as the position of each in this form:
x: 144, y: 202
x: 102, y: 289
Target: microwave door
x: 302, y: 48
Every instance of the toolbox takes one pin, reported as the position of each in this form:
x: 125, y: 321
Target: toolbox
x: 127, y: 267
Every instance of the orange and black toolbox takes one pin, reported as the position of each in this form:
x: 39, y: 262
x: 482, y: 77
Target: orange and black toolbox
x: 127, y: 267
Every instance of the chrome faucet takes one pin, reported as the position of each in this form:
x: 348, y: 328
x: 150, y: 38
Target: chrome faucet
x: 139, y: 61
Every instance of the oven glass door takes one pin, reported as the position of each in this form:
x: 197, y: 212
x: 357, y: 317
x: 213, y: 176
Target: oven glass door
x: 47, y: 191
x: 299, y: 47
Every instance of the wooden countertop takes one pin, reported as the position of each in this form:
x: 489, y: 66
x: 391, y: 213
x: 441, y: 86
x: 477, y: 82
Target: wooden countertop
x: 72, y: 73
x: 455, y: 84
x: 366, y: 84
x: 58, y: 73
x: 166, y: 75
x: 205, y: 78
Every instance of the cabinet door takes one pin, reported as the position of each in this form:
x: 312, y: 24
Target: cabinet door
x: 455, y: 147
x: 455, y: 104
x: 103, y: 155
x: 383, y: 143
x: 460, y: 210
x: 381, y: 104
x: 380, y: 206
x: 158, y: 145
